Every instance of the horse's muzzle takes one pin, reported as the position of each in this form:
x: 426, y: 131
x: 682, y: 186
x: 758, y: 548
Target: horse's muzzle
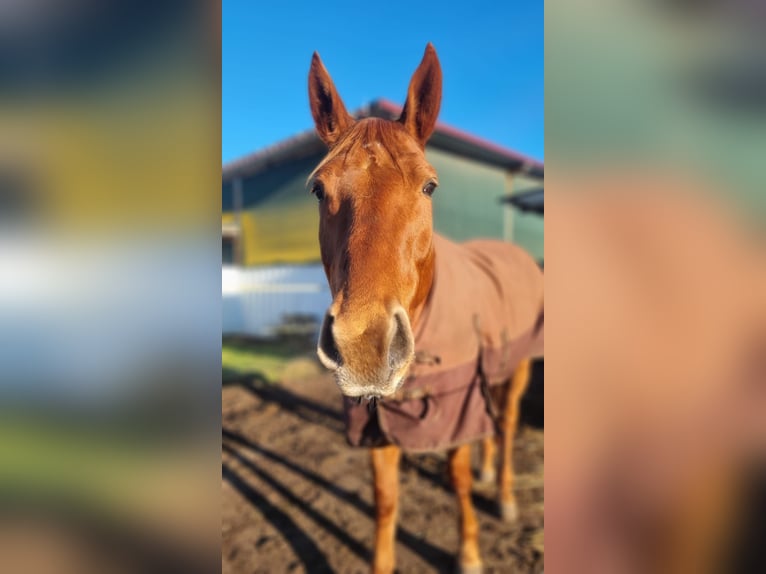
x: 368, y: 361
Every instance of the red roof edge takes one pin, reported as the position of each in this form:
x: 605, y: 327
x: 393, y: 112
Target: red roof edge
x: 395, y: 109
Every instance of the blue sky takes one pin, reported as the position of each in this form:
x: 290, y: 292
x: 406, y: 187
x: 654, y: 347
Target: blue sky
x: 491, y: 55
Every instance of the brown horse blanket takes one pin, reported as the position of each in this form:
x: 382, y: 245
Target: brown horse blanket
x: 483, y: 316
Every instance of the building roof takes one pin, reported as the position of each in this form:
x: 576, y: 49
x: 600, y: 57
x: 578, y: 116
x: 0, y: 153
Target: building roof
x: 445, y: 137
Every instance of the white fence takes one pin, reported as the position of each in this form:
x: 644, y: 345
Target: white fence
x: 255, y: 300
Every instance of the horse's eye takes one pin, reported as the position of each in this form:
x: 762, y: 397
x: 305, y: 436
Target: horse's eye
x: 429, y: 188
x: 318, y: 191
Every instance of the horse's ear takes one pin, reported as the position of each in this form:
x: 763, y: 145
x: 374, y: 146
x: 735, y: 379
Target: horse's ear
x: 330, y: 115
x: 424, y: 97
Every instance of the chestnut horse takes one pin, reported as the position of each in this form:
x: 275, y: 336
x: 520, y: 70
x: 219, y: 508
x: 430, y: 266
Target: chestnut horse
x: 378, y: 249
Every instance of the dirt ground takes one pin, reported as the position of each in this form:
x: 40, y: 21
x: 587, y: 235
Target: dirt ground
x: 297, y: 498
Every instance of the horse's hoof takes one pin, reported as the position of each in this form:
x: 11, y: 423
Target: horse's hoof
x: 488, y: 476
x: 470, y: 569
x: 509, y: 511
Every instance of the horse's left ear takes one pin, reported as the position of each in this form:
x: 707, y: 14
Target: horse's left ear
x: 424, y: 97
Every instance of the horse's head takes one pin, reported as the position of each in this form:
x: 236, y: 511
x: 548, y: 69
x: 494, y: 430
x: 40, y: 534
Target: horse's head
x: 375, y: 229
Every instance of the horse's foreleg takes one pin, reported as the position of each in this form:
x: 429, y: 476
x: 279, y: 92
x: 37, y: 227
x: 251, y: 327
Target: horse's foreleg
x: 385, y: 468
x: 460, y: 473
x: 508, y: 508
x: 488, y: 470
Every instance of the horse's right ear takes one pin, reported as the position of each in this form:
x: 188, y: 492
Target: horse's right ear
x: 330, y: 115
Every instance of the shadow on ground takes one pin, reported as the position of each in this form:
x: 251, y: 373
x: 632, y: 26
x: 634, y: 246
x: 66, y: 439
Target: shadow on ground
x: 296, y: 498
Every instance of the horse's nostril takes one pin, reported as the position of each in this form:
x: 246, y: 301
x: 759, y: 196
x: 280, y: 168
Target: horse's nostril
x: 402, y: 344
x: 327, y: 350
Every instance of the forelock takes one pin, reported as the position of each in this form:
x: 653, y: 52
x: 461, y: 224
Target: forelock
x: 375, y: 136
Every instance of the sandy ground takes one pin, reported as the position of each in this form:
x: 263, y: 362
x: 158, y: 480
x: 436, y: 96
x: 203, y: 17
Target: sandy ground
x: 297, y: 498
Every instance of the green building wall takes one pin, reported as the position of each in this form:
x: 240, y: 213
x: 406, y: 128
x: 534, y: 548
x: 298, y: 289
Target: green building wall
x: 526, y: 229
x: 467, y: 203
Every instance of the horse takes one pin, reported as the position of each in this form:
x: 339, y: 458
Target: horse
x: 418, y: 325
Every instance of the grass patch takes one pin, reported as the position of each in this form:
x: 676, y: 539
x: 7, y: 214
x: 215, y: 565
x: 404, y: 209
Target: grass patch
x: 243, y: 357
x: 56, y: 463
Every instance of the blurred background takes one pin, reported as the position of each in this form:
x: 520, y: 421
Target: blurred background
x: 109, y: 302
x: 655, y: 139
x: 295, y: 496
